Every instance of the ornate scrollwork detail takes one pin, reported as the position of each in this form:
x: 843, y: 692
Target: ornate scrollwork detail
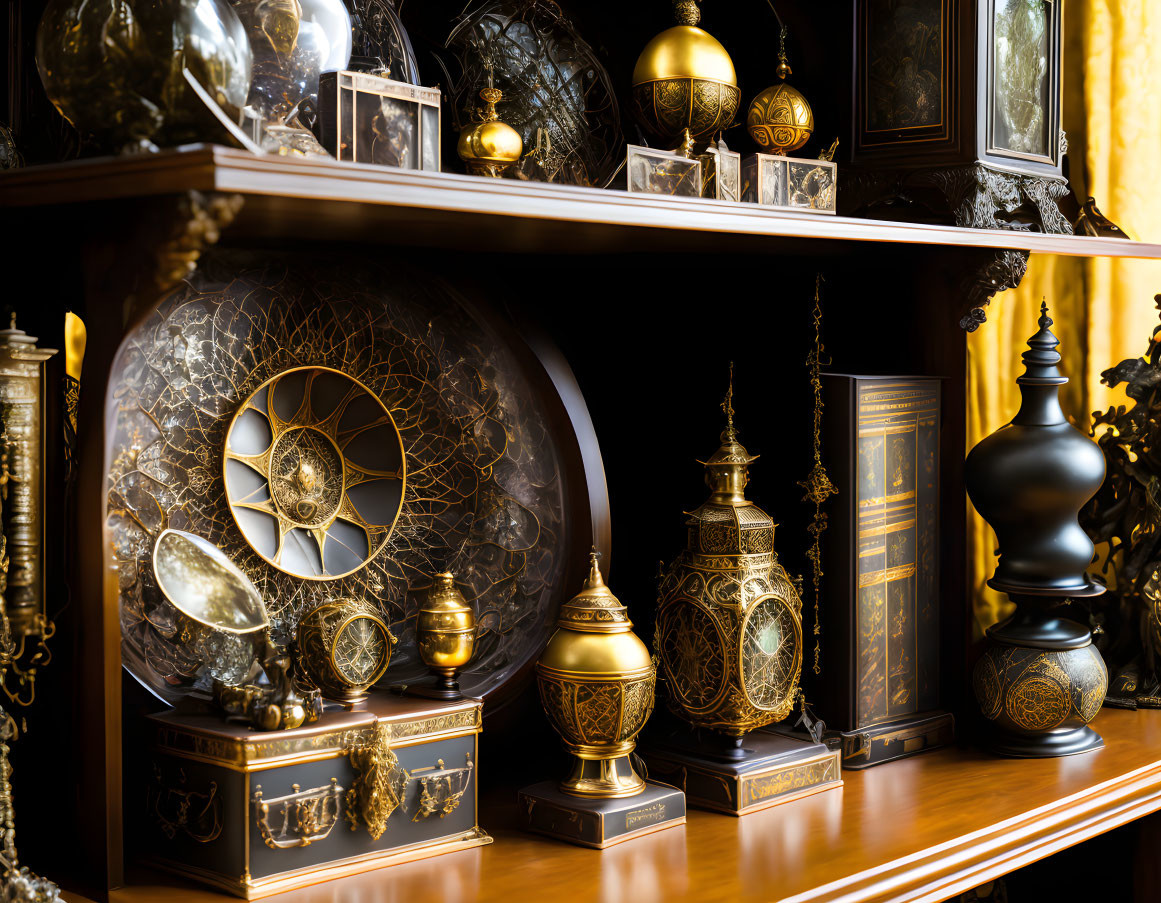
x: 195, y: 813
x: 378, y: 790
x: 301, y: 817
x: 440, y: 791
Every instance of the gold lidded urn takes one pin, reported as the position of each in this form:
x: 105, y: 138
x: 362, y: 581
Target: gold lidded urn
x: 729, y: 629
x: 445, y: 632
x: 489, y: 146
x: 596, y: 682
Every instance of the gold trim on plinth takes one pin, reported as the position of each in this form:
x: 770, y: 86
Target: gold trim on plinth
x: 255, y: 889
x: 736, y: 784
x: 258, y: 753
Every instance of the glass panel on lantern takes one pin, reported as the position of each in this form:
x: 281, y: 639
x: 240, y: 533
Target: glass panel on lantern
x: 1021, y: 82
x: 660, y: 172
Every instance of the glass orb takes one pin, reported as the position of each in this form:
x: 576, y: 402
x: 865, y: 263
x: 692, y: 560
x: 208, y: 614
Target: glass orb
x: 293, y: 42
x: 109, y: 68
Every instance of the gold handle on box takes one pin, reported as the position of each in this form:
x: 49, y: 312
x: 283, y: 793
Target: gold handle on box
x: 301, y: 817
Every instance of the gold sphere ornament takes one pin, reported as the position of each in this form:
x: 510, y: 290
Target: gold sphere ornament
x: 596, y: 682
x: 489, y: 147
x: 344, y: 646
x: 780, y: 119
x: 445, y: 631
x: 685, y: 79
x: 729, y: 629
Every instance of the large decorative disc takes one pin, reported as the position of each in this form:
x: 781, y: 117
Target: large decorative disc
x: 771, y: 653
x: 314, y: 472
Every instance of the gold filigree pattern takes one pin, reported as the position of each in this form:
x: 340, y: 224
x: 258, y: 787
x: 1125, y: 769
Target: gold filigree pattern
x: 771, y: 655
x: 482, y: 495
x: 378, y: 790
x: 691, y: 652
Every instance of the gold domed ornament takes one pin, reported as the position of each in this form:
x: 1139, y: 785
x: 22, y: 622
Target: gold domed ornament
x: 596, y: 682
x: 489, y: 147
x: 729, y: 645
x: 445, y: 632
x: 684, y: 81
x: 780, y: 119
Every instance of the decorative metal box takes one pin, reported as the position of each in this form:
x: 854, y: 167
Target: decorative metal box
x: 663, y: 172
x: 962, y: 98
x: 789, y: 183
x: 880, y: 662
x: 257, y: 814
x: 721, y: 174
x: 369, y: 119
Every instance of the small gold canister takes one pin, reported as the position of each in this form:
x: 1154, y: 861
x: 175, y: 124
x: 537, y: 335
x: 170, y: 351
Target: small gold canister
x: 445, y: 631
x: 344, y: 647
x: 596, y: 682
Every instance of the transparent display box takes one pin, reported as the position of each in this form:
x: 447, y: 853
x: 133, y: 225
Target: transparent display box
x: 721, y: 175
x: 369, y: 119
x: 789, y: 183
x: 655, y: 171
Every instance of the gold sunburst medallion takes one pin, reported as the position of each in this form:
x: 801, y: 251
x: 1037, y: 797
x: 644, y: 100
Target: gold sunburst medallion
x: 314, y: 472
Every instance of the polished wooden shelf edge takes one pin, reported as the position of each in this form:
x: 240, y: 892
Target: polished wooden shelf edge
x: 946, y: 870
x: 216, y: 168
x: 918, y: 830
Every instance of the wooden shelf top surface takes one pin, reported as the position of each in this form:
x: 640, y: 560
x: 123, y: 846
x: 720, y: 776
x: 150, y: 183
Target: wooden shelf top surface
x: 921, y: 829
x: 327, y: 199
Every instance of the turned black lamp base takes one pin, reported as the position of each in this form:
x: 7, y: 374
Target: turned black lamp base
x: 1040, y: 682
x: 1050, y: 744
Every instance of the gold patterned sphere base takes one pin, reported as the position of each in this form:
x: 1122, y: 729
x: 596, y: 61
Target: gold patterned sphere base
x: 1039, y: 702
x: 596, y: 773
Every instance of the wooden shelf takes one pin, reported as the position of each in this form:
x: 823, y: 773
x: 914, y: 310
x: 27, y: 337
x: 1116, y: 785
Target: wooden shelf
x: 914, y: 831
x: 344, y: 201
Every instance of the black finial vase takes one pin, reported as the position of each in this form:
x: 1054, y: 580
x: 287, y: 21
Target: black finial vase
x: 1040, y: 681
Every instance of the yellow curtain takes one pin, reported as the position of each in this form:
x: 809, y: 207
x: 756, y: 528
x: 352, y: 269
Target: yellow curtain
x: 1103, y: 308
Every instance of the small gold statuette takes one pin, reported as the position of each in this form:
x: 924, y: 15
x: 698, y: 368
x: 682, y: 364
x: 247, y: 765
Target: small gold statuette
x: 780, y: 119
x: 729, y: 630
x: 488, y: 147
x: 684, y: 84
x: 596, y: 685
x: 445, y: 631
x: 344, y: 646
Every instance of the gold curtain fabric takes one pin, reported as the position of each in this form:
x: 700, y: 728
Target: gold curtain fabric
x: 1103, y: 308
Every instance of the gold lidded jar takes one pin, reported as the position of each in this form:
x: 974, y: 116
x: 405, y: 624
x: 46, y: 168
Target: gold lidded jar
x: 596, y: 682
x: 344, y: 646
x: 729, y: 629
x: 489, y: 147
x: 445, y: 631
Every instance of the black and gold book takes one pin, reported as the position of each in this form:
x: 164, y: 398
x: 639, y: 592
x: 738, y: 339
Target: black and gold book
x: 879, y: 688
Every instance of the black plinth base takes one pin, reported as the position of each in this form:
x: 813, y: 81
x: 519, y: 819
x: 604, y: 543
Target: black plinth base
x: 1049, y: 744
x: 546, y: 809
x: 771, y: 769
x: 897, y: 739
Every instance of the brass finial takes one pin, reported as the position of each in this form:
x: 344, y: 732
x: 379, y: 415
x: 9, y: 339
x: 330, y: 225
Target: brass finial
x: 686, y: 12
x: 730, y: 435
x: 491, y: 96
x: 783, y: 62
x: 595, y: 579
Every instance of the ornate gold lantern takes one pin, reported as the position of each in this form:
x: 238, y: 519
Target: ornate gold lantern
x: 684, y: 81
x: 596, y: 685
x: 729, y: 630
x: 445, y: 632
x: 344, y: 647
x: 489, y: 147
x: 21, y: 418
